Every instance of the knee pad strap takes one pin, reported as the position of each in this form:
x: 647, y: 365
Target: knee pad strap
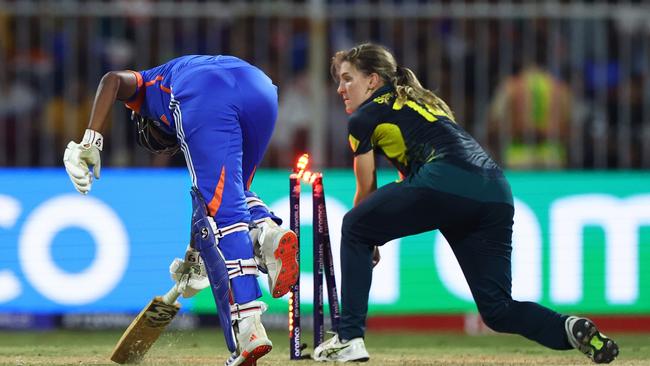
x: 221, y: 232
x: 241, y: 267
x: 255, y: 201
x: 241, y: 311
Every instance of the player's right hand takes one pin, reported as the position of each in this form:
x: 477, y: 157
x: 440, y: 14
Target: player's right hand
x: 78, y: 158
x: 189, y: 273
x: 376, y: 257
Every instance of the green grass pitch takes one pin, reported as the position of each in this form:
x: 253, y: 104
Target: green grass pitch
x: 205, y: 347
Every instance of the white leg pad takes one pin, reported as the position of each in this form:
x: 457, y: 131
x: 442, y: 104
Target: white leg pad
x: 251, y: 308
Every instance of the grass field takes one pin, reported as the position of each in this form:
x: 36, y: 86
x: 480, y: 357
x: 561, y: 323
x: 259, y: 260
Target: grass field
x: 205, y: 347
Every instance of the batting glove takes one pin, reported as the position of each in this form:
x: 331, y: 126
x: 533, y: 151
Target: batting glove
x: 189, y: 274
x: 79, y: 156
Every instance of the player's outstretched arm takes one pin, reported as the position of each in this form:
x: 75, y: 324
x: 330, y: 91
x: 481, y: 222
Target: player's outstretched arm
x: 366, y: 176
x: 78, y: 157
x: 365, y: 173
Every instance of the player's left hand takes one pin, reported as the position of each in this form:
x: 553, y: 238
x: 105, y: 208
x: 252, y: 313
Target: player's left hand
x: 79, y: 156
x: 376, y: 257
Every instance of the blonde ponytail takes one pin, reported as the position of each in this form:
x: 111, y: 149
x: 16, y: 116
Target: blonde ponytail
x: 408, y: 86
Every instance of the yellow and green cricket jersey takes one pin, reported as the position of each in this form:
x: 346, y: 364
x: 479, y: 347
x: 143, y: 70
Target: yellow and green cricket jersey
x: 411, y: 134
x: 426, y: 146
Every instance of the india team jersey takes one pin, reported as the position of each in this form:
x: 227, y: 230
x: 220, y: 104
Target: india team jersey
x: 410, y: 134
x: 155, y: 86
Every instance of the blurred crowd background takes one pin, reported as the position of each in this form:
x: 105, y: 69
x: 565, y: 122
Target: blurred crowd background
x: 541, y: 84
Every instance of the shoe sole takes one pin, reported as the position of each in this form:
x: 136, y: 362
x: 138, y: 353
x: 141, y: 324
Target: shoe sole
x: 603, y: 349
x: 252, y: 357
x: 325, y: 359
x: 363, y: 359
x: 288, y: 273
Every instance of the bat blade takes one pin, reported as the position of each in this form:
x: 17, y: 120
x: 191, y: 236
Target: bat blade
x: 144, y: 331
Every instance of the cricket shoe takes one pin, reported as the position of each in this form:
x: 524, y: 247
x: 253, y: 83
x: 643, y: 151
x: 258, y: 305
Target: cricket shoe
x: 252, y: 341
x: 333, y: 349
x: 276, y: 252
x: 584, y: 336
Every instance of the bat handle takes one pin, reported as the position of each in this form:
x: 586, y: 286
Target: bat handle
x: 170, y: 297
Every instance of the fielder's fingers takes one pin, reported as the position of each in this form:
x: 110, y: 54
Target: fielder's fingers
x: 376, y: 256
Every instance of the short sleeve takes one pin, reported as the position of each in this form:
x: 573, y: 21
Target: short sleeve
x: 134, y: 103
x: 145, y: 79
x: 360, y: 129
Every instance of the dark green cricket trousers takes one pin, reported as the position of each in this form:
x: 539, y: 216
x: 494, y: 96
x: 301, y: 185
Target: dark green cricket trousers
x: 473, y: 209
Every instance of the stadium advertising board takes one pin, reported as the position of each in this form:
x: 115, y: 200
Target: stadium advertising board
x: 581, y: 243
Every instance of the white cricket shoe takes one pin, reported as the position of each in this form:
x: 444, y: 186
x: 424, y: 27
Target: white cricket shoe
x: 275, y: 251
x: 334, y: 349
x: 252, y: 342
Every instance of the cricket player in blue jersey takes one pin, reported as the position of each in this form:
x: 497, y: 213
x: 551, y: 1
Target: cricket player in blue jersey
x: 449, y: 184
x: 220, y: 111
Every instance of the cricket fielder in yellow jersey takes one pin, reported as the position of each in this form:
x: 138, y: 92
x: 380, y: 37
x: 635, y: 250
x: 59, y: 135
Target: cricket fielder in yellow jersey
x: 450, y: 184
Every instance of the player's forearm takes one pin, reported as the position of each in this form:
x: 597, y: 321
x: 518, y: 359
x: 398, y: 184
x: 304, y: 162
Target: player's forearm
x: 362, y: 193
x: 113, y: 86
x: 366, y: 184
x: 358, y: 197
x: 366, y: 176
x: 104, y: 99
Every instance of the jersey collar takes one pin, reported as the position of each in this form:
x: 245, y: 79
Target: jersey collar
x: 381, y: 91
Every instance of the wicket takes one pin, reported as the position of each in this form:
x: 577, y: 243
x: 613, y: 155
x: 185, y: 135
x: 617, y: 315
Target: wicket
x: 323, y: 262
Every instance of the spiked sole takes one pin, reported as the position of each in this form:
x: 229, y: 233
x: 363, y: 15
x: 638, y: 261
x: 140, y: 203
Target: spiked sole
x: 288, y: 272
x: 602, y: 349
x: 252, y: 357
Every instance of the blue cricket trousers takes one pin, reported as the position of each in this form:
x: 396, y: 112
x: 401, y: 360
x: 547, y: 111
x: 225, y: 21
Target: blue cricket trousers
x: 225, y: 113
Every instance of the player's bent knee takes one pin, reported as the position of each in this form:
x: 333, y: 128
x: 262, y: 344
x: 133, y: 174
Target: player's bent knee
x: 494, y: 323
x: 354, y: 231
x: 497, y: 317
x: 351, y: 224
x: 348, y: 221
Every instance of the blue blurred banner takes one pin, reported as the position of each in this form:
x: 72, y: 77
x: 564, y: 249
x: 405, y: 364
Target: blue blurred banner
x: 107, y: 251
x: 581, y: 243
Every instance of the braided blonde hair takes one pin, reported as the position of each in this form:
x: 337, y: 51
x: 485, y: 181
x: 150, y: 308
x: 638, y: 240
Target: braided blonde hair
x: 372, y: 58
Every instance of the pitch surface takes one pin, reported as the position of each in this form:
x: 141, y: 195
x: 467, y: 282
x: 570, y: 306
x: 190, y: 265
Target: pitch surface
x: 206, y: 347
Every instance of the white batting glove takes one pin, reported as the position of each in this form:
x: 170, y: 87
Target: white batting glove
x: 189, y: 274
x: 79, y: 156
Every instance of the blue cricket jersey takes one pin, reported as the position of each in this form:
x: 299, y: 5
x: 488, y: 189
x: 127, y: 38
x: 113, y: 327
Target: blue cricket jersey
x: 155, y: 86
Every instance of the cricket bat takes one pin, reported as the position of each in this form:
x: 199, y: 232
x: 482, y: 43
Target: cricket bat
x: 146, y: 328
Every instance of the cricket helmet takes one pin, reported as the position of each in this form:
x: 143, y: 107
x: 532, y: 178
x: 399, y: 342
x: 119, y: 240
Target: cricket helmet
x: 152, y: 137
